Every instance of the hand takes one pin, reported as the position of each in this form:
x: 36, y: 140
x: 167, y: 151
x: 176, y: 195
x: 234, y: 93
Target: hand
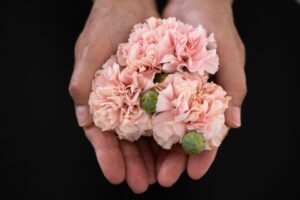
x: 215, y: 16
x: 108, y: 25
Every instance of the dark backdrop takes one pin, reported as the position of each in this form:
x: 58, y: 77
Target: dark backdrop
x: 44, y: 155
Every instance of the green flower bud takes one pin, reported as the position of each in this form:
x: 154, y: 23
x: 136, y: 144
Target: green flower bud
x: 149, y: 100
x: 193, y: 142
x: 160, y: 77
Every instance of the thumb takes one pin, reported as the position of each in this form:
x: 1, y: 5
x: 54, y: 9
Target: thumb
x: 231, y: 76
x: 89, y: 56
x: 91, y: 51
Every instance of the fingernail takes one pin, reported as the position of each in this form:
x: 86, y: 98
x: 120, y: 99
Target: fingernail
x: 236, y: 116
x: 82, y: 114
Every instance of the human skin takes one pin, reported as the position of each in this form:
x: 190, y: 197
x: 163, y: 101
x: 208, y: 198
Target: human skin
x: 217, y: 17
x: 143, y: 163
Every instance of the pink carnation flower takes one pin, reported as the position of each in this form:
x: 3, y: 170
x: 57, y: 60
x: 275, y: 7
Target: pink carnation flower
x: 186, y: 100
x: 114, y: 101
x: 206, y: 113
x: 189, y: 102
x: 169, y: 45
x: 167, y: 131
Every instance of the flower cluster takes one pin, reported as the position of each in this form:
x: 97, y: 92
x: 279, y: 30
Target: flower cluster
x: 173, y: 60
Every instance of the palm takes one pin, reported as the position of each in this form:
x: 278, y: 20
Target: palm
x: 216, y: 17
x: 172, y: 164
x: 142, y: 163
x: 103, y: 32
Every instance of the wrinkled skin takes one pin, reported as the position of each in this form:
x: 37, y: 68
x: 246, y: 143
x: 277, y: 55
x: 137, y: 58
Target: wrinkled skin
x: 143, y: 163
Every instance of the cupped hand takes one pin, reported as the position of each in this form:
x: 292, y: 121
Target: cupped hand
x: 216, y: 16
x: 109, y: 24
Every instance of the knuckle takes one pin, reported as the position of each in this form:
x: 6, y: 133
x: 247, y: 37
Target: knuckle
x: 241, y: 48
x: 75, y: 90
x: 242, y: 90
x: 238, y: 53
x: 80, y: 44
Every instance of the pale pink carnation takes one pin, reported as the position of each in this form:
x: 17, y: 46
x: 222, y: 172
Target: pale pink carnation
x: 167, y: 131
x: 114, y: 101
x: 189, y: 102
x: 169, y: 45
x: 206, y: 113
x: 186, y: 100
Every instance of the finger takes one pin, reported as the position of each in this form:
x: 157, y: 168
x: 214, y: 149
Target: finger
x: 148, y: 158
x: 198, y: 165
x: 172, y: 166
x: 98, y: 41
x: 231, y: 75
x: 108, y: 154
x: 136, y: 172
x: 92, y: 49
x: 160, y: 157
x: 231, y: 51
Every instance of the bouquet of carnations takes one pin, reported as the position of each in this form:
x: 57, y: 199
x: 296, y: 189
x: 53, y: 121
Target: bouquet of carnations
x: 158, y: 85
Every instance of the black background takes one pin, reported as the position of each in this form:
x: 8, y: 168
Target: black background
x: 45, y: 155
